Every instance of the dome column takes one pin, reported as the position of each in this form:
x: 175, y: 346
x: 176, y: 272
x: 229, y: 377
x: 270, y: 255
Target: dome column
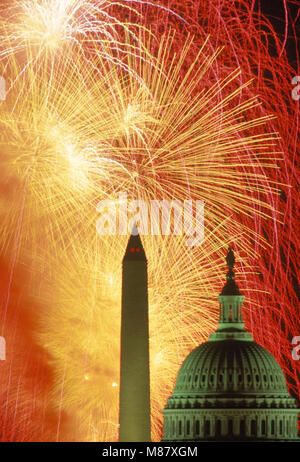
x: 247, y: 425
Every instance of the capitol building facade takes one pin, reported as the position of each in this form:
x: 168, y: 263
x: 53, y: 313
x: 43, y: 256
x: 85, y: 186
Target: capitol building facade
x: 230, y: 388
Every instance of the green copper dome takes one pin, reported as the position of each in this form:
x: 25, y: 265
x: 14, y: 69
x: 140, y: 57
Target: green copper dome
x: 231, y: 367
x: 230, y: 387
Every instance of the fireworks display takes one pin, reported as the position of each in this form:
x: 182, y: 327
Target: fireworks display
x: 166, y: 101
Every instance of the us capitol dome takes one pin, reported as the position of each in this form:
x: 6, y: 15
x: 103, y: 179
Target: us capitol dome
x: 230, y: 388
